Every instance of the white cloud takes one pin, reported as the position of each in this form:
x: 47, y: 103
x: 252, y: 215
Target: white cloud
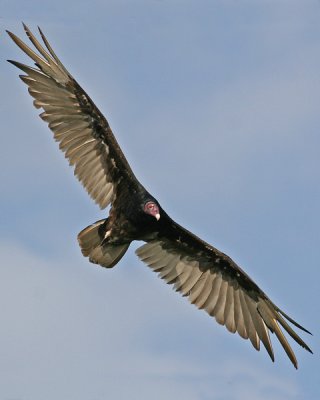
x: 79, y: 332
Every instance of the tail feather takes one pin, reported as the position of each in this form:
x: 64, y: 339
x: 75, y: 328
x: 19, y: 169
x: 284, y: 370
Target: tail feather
x: 93, y: 245
x: 90, y: 237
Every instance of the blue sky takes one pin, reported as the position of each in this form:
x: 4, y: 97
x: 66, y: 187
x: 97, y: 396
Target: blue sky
x: 216, y: 106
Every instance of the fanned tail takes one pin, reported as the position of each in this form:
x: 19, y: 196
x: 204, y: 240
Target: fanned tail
x: 93, y: 245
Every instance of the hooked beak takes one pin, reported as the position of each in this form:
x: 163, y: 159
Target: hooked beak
x: 157, y: 216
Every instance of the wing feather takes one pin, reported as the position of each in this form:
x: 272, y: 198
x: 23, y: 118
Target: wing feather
x: 229, y: 316
x: 238, y: 315
x: 218, y: 310
x: 214, y: 294
x: 82, y: 132
x: 213, y: 282
x: 193, y: 278
x: 206, y: 292
x: 198, y: 289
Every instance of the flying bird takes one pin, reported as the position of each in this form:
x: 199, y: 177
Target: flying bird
x: 209, y: 278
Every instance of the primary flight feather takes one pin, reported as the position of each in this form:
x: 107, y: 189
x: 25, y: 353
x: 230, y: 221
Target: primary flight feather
x: 209, y: 278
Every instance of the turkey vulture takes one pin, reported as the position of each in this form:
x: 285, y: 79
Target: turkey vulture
x: 209, y: 278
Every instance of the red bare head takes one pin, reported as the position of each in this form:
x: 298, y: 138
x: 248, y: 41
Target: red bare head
x: 152, y: 209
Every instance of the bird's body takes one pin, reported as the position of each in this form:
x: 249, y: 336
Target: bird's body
x: 209, y: 278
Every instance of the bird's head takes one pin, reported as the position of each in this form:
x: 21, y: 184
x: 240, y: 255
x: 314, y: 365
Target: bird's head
x: 152, y: 208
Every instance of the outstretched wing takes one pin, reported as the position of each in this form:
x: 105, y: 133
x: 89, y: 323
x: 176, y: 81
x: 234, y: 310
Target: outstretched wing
x: 83, y: 133
x: 213, y: 282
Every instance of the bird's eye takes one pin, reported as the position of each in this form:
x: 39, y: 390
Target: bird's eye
x: 150, y: 207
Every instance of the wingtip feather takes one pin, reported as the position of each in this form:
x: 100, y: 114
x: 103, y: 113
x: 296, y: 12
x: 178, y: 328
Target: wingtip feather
x: 294, y: 322
x: 25, y: 26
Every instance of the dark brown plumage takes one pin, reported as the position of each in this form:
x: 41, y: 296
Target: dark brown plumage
x: 209, y: 278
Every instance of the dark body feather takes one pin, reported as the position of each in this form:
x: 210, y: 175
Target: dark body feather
x: 209, y: 278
